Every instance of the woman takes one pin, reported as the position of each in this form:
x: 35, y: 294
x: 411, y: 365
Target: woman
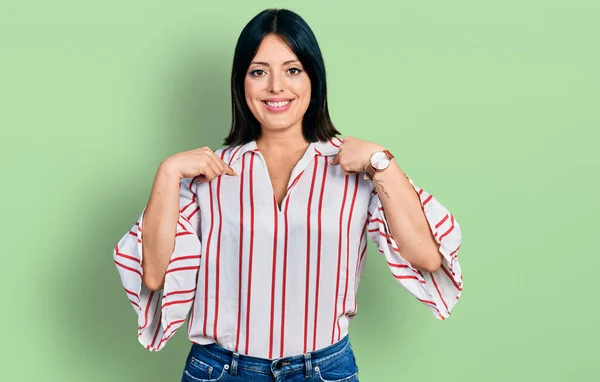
x: 263, y: 242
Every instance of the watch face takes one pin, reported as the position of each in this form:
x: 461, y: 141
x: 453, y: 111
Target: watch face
x: 376, y: 157
x: 383, y: 164
x: 380, y: 161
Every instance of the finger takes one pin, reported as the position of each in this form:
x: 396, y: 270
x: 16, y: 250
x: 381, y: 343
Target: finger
x: 229, y: 170
x: 225, y: 169
x: 335, y: 160
x: 217, y: 164
x: 211, y: 170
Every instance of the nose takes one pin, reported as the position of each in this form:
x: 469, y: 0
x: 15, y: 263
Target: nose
x: 276, y: 83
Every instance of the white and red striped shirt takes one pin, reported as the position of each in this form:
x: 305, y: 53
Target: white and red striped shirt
x: 273, y: 282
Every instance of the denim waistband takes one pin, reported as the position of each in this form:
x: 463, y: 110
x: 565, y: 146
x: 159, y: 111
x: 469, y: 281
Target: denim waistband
x: 275, y: 366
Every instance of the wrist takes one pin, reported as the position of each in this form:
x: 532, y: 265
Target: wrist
x: 167, y: 169
x: 379, y: 161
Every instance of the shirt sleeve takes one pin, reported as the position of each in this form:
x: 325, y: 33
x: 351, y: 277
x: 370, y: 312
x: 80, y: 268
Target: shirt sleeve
x: 439, y: 290
x: 161, y: 313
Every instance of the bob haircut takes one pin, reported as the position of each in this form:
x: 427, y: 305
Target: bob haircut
x: 295, y: 32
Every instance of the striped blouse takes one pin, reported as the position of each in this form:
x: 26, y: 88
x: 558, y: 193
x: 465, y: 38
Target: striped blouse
x: 273, y: 282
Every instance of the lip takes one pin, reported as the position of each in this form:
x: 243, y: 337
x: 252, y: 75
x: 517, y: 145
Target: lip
x: 276, y: 99
x: 278, y: 109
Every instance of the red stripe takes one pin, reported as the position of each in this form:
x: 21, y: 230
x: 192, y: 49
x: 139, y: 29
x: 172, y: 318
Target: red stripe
x: 378, y: 220
x: 191, y: 267
x: 191, y: 321
x: 128, y: 268
x: 295, y: 181
x: 336, y: 145
x: 132, y: 293
x: 179, y: 292
x: 177, y: 302
x: 348, y: 251
x: 284, y: 284
x: 360, y: 257
x: 190, y: 203
x: 433, y: 304
x: 183, y: 233
x: 241, y: 256
x: 133, y: 234
x: 148, y: 303
x: 441, y: 221
x: 319, y: 230
x: 273, y: 269
x: 308, y: 234
x: 404, y: 266
x: 251, y: 254
x: 166, y: 338
x: 193, y: 212
x: 337, y: 283
x: 233, y: 155
x: 216, y: 322
x: 117, y: 253
x: 211, y: 226
x: 453, y: 253
x: 410, y: 277
x: 449, y: 229
x: 158, y: 326
x: 135, y: 304
x: 451, y: 278
x: 180, y: 258
x: 427, y: 200
x: 194, y: 179
x: 438, y: 291
x: 398, y: 265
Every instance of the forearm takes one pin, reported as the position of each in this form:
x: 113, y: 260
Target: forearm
x: 406, y: 219
x: 159, y: 227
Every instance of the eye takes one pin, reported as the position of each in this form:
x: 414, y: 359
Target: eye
x: 257, y: 72
x: 294, y: 71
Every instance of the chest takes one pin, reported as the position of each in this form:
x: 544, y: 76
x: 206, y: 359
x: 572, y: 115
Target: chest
x: 279, y: 172
x: 267, y: 200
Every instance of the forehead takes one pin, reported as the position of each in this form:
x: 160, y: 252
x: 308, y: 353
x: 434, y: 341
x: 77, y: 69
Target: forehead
x: 273, y: 50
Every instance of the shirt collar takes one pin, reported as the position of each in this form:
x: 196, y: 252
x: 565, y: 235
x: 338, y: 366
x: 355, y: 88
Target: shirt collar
x: 327, y: 148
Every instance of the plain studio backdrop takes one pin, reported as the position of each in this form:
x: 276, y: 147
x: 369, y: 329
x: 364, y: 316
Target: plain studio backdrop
x: 490, y: 106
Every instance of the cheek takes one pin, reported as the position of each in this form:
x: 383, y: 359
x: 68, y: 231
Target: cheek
x: 250, y: 94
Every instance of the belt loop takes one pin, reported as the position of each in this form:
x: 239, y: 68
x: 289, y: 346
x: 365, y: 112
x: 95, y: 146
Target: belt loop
x: 307, y: 366
x: 234, y: 363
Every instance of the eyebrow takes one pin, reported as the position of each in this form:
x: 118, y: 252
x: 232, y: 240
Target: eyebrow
x: 267, y: 64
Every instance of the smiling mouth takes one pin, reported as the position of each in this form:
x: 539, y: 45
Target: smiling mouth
x: 278, y: 104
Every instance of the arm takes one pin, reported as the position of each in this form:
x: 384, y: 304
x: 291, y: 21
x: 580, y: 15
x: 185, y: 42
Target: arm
x: 405, y: 216
x: 422, y: 251
x: 162, y: 310
x: 160, y: 226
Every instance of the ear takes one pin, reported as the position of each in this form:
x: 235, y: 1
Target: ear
x: 335, y: 160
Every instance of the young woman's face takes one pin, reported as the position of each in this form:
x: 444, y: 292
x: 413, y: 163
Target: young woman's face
x: 277, y: 88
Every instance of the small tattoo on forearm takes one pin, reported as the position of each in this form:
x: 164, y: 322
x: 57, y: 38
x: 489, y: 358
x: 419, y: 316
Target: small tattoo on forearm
x: 380, y: 183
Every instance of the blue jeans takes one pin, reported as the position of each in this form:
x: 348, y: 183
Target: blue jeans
x: 211, y: 363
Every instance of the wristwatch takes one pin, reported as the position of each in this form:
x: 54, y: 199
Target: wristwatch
x: 380, y: 160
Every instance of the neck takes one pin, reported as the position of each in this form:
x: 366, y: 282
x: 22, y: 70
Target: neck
x: 288, y: 140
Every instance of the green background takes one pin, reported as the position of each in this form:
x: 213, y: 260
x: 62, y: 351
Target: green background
x: 490, y: 106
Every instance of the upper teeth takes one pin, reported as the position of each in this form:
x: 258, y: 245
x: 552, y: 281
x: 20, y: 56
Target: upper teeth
x: 278, y: 104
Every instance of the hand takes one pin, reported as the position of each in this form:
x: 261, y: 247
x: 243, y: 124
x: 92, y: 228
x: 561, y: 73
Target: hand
x: 354, y: 155
x: 202, y: 162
